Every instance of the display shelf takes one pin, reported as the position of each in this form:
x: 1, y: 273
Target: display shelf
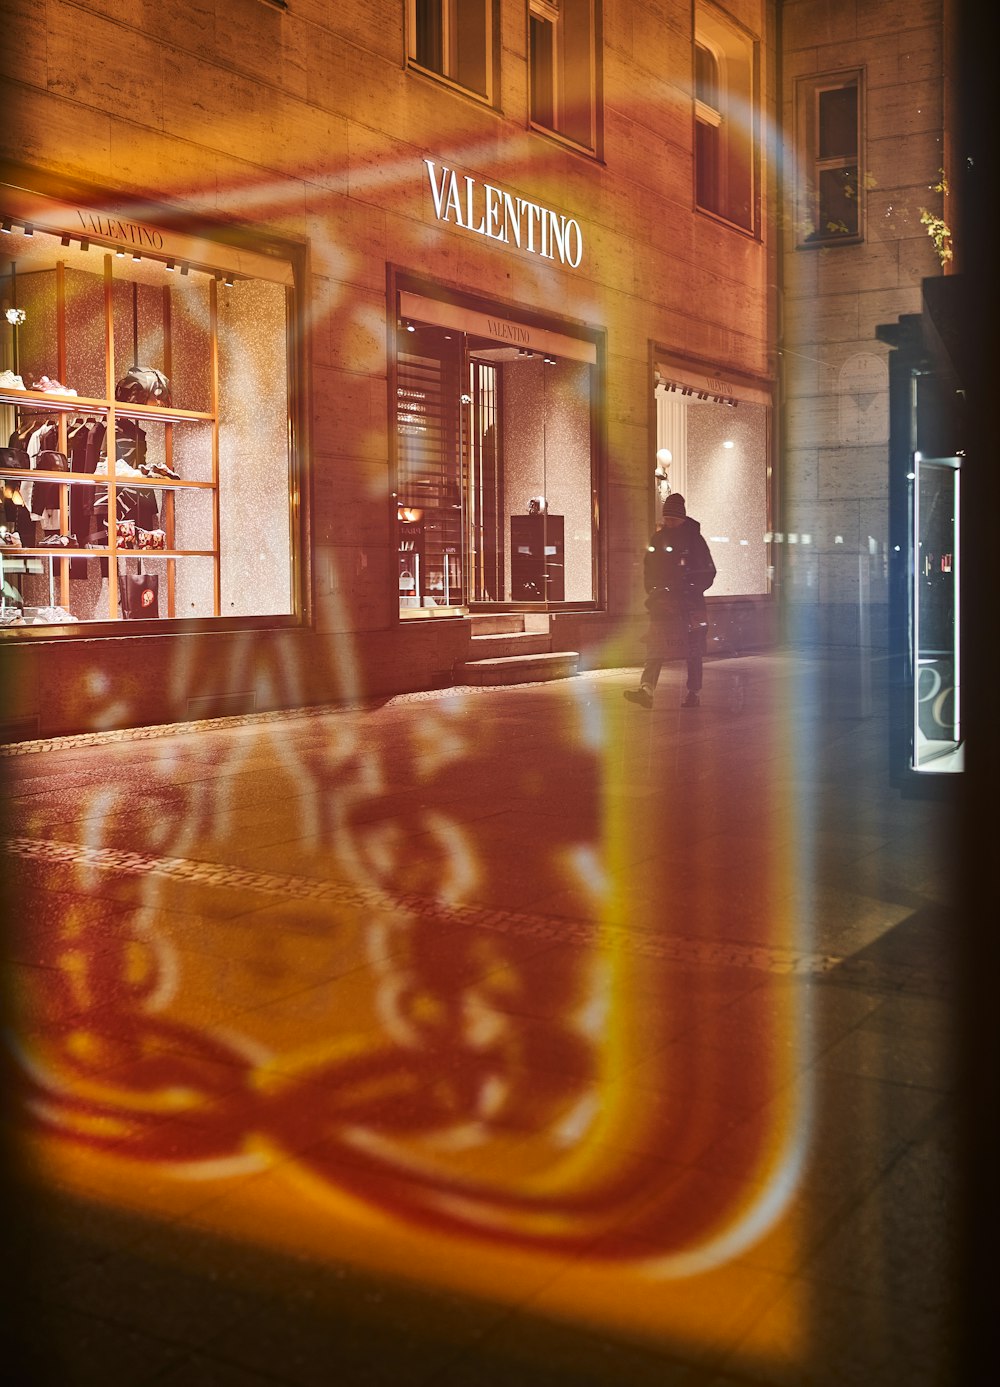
x: 85, y: 404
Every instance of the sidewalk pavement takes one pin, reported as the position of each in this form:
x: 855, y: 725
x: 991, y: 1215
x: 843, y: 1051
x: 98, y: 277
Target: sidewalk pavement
x: 487, y: 1037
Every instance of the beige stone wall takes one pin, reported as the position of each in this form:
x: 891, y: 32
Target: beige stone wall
x: 834, y: 424
x: 306, y: 124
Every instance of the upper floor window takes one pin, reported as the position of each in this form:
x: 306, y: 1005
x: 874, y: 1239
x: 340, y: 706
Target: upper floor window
x: 454, y: 39
x: 829, y: 116
x: 563, y: 60
x: 725, y: 120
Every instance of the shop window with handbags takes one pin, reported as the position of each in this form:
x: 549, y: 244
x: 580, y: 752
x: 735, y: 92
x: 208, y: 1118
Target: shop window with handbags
x: 146, y: 459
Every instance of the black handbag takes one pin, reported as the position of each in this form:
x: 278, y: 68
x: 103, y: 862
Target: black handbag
x: 14, y: 460
x: 48, y: 460
x: 139, y: 593
x: 143, y: 385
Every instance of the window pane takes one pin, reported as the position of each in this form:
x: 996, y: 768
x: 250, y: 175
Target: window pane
x: 471, y: 46
x: 576, y: 117
x: 542, y: 58
x: 838, y: 202
x: 838, y: 123
x: 428, y: 47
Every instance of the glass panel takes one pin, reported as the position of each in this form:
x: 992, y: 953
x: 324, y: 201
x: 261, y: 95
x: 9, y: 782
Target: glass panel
x: 935, y: 615
x: 430, y: 423
x: 715, y: 455
x: 838, y: 202
x: 255, y: 549
x: 542, y: 60
x: 838, y: 123
x: 470, y: 44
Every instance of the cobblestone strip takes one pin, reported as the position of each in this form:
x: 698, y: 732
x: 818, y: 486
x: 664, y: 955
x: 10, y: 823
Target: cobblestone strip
x: 546, y: 928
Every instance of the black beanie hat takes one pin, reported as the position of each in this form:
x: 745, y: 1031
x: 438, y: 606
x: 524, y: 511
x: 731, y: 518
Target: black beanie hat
x: 674, y: 504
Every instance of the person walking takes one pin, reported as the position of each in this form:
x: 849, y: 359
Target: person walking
x: 677, y: 570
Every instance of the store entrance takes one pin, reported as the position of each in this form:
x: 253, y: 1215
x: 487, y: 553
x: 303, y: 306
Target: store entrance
x: 494, y: 488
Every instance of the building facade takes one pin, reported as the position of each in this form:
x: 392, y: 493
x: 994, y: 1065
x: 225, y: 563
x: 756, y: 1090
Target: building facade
x: 336, y: 333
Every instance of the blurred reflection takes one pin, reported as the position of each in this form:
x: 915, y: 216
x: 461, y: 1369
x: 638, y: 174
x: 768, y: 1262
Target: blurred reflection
x: 393, y: 1024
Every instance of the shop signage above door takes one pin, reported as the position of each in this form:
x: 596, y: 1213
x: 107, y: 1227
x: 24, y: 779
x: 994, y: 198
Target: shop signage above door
x: 488, y: 211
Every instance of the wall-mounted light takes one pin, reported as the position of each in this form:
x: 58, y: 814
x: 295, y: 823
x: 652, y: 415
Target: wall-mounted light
x: 549, y: 360
x: 29, y: 230
x: 184, y: 269
x: 5, y: 225
x: 228, y: 281
x: 171, y: 266
x: 120, y: 253
x: 85, y: 244
x: 136, y: 255
x: 64, y: 240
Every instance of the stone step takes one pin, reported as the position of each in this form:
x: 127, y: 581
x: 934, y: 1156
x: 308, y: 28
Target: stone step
x: 517, y: 669
x: 511, y: 643
x: 497, y: 624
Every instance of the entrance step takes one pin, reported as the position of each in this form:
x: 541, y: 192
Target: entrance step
x: 494, y: 647
x: 517, y: 669
x: 497, y: 624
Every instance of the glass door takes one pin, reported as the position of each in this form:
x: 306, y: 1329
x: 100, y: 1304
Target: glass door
x: 935, y: 633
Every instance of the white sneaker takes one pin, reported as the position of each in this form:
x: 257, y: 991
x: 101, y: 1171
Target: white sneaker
x: 8, y: 380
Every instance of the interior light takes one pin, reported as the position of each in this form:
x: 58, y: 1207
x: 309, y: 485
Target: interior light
x: 228, y: 281
x: 170, y: 265
x: 64, y: 240
x: 729, y: 443
x: 549, y: 360
x: 5, y: 225
x: 85, y: 244
x: 29, y: 230
x: 136, y: 255
x: 120, y: 253
x: 184, y: 269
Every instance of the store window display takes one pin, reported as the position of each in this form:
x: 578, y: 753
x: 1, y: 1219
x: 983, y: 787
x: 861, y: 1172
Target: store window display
x: 144, y: 417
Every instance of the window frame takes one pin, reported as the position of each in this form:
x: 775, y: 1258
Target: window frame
x: 708, y: 24
x: 809, y: 234
x: 554, y: 15
x: 491, y: 57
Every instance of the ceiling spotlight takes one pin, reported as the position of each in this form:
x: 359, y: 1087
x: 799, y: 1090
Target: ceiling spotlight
x: 171, y: 265
x: 120, y: 253
x: 136, y: 255
x: 228, y: 281
x: 410, y: 327
x: 5, y: 224
x: 549, y: 360
x: 29, y: 230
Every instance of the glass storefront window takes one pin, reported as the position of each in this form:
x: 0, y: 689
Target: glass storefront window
x: 144, y: 412
x: 495, y: 471
x: 714, y: 451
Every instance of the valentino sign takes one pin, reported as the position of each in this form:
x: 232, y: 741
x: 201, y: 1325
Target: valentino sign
x: 490, y: 212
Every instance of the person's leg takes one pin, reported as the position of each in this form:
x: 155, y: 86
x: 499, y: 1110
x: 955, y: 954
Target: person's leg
x: 643, y: 695
x: 695, y: 650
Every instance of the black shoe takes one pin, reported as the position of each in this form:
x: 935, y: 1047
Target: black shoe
x: 692, y: 701
x: 641, y: 696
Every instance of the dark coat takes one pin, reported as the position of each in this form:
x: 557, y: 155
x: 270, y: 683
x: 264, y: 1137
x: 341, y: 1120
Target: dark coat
x: 678, y: 570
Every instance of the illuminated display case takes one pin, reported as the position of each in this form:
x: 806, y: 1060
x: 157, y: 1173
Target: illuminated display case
x: 189, y: 487
x: 927, y: 458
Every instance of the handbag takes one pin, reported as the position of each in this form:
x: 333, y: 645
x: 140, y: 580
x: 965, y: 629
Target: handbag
x: 139, y: 594
x: 14, y: 460
x: 48, y: 460
x: 143, y: 385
